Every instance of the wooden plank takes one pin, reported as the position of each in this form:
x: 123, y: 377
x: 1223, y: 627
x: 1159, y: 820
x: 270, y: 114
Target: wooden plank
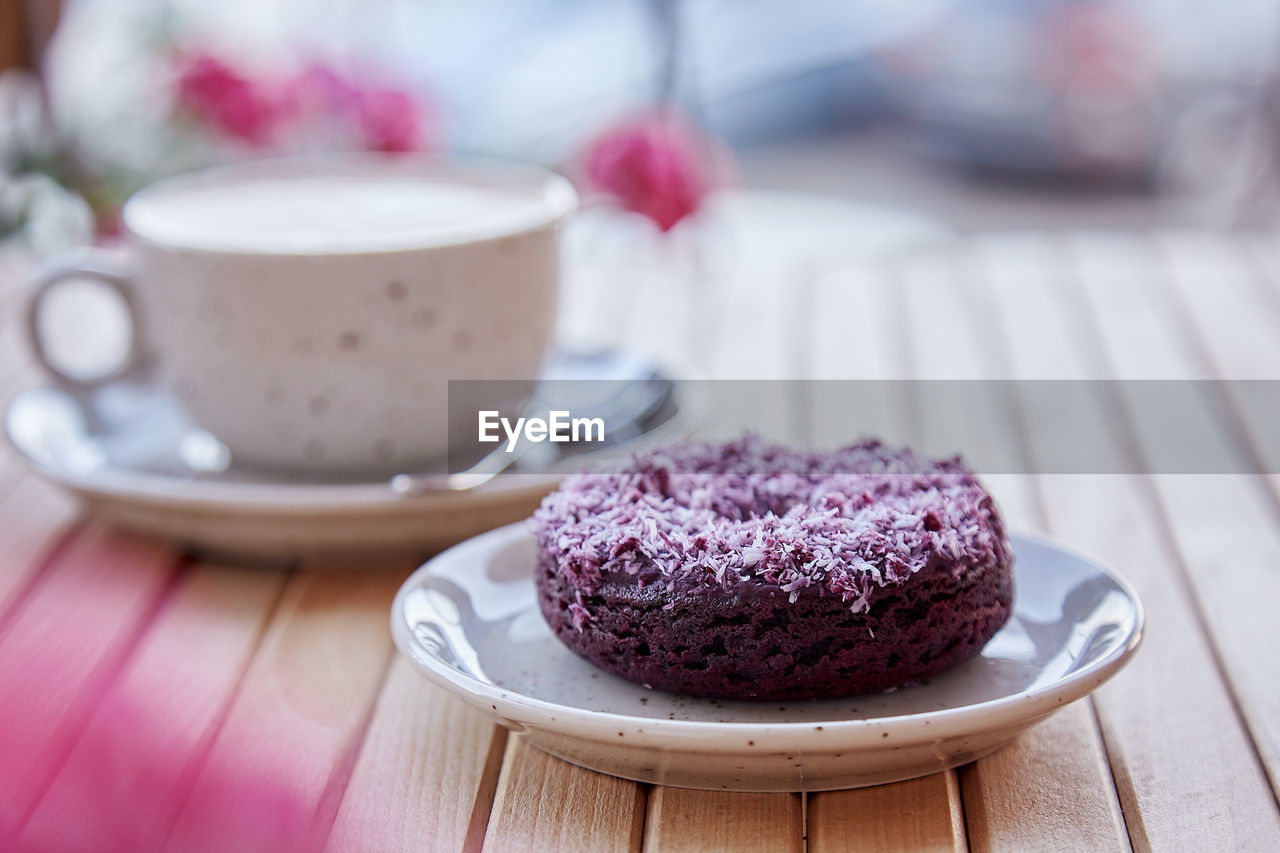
x: 856, y: 326
x: 274, y: 776
x: 426, y: 777
x: 34, y: 518
x: 543, y: 803
x: 12, y: 467
x: 857, y: 332
x: 748, y: 332
x: 1167, y: 721
x: 1234, y: 554
x: 944, y: 340
x: 157, y: 720
x: 1219, y: 296
x: 1148, y: 746
x: 1050, y: 790
x: 756, y: 318
x: 1266, y: 254
x: 681, y: 820
x: 904, y: 816
x: 62, y: 649
x: 854, y: 333
x: 1013, y: 799
x: 1119, y: 278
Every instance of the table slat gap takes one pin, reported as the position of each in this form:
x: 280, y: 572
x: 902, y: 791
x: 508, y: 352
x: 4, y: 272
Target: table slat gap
x: 864, y: 302
x: 804, y: 822
x: 1115, y: 768
x: 1233, y: 334
x: 1010, y: 796
x: 1247, y: 306
x: 1159, y: 733
x: 37, y: 523
x: 1205, y: 327
x: 1122, y: 779
x: 335, y: 787
x: 425, y: 775
x: 97, y: 688
x: 308, y: 689
x: 959, y: 815
x: 486, y: 791
x: 994, y: 298
x: 974, y: 354
x: 799, y: 352
x: 83, y: 620
x: 189, y: 667
x: 1249, y: 352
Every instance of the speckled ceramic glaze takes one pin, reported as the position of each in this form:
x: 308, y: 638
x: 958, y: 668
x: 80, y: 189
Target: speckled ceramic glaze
x: 328, y: 353
x: 468, y: 620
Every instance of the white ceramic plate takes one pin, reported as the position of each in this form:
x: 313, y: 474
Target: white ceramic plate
x: 469, y: 622
x: 133, y: 457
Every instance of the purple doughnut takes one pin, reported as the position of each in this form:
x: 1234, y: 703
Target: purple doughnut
x: 748, y: 570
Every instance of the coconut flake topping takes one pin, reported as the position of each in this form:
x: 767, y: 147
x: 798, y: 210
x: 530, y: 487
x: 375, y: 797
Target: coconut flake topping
x: 705, y: 516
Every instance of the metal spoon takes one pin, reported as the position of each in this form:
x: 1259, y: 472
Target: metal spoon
x: 641, y: 392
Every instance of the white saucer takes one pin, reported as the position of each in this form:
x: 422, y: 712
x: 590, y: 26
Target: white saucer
x: 130, y: 453
x: 469, y: 622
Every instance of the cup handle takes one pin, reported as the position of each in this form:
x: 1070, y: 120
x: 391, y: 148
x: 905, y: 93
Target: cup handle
x: 111, y: 272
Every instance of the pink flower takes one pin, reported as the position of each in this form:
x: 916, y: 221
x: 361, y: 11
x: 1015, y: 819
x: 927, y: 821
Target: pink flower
x: 215, y: 93
x: 315, y: 105
x: 657, y: 165
x: 319, y: 89
x: 390, y: 120
x: 383, y: 119
x: 117, y: 785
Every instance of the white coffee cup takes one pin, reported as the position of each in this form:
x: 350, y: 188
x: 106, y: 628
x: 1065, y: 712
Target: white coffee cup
x: 309, y: 312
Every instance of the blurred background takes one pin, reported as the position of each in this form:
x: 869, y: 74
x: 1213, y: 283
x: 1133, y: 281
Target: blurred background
x: 977, y: 114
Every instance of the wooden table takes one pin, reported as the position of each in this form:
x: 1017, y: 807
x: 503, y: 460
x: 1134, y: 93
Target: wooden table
x: 149, y: 700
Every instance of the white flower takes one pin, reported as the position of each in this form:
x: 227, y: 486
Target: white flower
x: 42, y: 214
x: 34, y: 209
